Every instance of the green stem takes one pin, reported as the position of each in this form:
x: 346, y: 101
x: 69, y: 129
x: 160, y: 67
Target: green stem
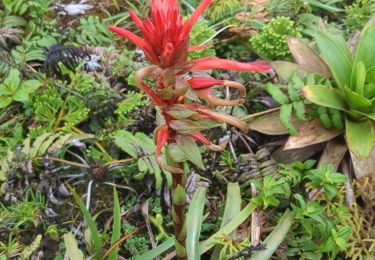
x: 178, y: 212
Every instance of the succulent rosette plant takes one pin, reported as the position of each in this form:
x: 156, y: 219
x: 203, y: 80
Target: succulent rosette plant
x: 179, y: 96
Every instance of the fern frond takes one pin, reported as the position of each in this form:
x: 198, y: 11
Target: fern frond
x: 29, y: 250
x: 48, y: 143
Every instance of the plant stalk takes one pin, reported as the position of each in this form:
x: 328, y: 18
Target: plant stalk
x: 178, y: 212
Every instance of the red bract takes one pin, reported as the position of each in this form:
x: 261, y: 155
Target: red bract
x: 166, y: 37
x: 165, y: 43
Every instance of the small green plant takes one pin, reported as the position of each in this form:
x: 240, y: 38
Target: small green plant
x: 132, y: 101
x: 270, y: 41
x: 26, y: 212
x: 358, y: 14
x: 32, y: 8
x: 92, y: 31
x: 353, y: 94
x: 324, y: 177
x: 95, y: 240
x: 55, y: 110
x: 9, y: 249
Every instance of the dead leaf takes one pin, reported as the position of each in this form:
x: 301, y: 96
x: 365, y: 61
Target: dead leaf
x: 307, y: 58
x: 333, y: 153
x: 270, y: 124
x: 310, y: 133
x: 285, y: 69
x: 289, y: 156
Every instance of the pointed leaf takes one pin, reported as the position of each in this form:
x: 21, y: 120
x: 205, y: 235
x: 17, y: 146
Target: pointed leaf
x: 356, y: 101
x: 336, y: 54
x: 91, y: 223
x: 361, y: 77
x: 276, y: 237
x: 116, y: 227
x: 194, y: 221
x: 365, y: 49
x: 232, y: 208
x: 325, y: 96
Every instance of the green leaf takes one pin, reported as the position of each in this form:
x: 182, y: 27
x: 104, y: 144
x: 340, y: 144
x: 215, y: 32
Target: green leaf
x: 361, y: 77
x: 276, y: 237
x: 191, y: 150
x: 176, y: 153
x: 357, y: 101
x: 228, y: 228
x: 116, y: 227
x: 126, y: 141
x: 91, y: 223
x: 71, y: 246
x: 157, y: 251
x: 299, y: 108
x: 336, y: 54
x: 5, y: 101
x: 13, y: 80
x: 325, y: 96
x: 360, y: 137
x: 232, y: 208
x: 277, y: 94
x: 365, y: 50
x: 370, y: 75
x: 25, y: 89
x: 194, y: 220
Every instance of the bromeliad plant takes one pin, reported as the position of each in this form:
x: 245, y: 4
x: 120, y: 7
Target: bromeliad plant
x: 354, y: 93
x: 178, y: 95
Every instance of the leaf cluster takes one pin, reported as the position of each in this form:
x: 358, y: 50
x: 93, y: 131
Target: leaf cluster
x: 270, y: 41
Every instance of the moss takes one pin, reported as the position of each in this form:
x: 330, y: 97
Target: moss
x: 270, y: 41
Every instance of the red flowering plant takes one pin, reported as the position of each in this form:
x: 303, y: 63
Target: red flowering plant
x: 180, y: 98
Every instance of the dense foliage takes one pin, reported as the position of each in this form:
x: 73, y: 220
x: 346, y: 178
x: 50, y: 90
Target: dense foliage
x: 104, y: 143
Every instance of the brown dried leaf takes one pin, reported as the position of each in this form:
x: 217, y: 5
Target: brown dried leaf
x: 333, y: 153
x: 310, y: 133
x: 270, y: 124
x: 285, y: 69
x: 307, y: 58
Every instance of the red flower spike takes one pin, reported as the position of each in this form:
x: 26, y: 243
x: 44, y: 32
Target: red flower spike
x: 166, y: 38
x: 162, y: 138
x: 203, y: 83
x: 217, y: 63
